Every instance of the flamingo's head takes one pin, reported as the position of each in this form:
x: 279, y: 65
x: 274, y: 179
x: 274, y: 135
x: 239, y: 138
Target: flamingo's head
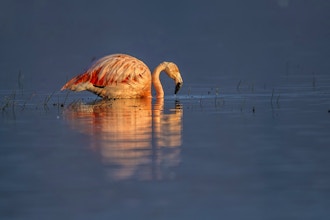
x: 173, y: 72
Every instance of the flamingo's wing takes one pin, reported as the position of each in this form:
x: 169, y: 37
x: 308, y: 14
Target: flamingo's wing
x: 111, y: 71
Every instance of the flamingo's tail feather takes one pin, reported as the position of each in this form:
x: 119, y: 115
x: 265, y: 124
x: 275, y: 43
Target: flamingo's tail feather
x: 77, y: 83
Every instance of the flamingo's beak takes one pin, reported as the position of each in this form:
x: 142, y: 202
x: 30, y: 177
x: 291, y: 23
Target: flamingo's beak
x: 178, y: 87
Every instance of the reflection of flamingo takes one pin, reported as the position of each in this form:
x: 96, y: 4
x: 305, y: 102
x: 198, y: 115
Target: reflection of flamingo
x: 135, y: 138
x: 123, y: 76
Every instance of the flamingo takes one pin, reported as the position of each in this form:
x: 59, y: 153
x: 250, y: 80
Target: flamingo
x: 124, y: 76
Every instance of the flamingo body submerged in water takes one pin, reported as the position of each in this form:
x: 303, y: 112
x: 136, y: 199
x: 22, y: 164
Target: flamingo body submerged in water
x: 123, y: 76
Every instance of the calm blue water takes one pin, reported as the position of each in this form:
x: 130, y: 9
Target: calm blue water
x: 246, y: 138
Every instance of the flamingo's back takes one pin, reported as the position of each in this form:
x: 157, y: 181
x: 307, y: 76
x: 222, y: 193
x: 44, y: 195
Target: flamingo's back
x: 114, y: 76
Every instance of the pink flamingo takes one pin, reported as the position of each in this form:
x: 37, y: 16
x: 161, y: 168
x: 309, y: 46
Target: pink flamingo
x: 124, y: 76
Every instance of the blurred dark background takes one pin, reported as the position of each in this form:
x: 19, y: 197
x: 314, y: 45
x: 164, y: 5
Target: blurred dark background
x: 50, y: 41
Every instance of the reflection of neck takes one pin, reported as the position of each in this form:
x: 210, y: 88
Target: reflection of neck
x: 156, y: 82
x: 159, y: 105
x: 166, y: 127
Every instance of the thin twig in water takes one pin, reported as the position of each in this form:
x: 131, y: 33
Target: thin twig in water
x: 271, y: 99
x: 6, y: 105
x: 278, y: 100
x: 238, y: 85
x: 216, y: 96
x: 14, y: 98
x: 47, y: 98
x: 66, y: 97
x: 217, y: 91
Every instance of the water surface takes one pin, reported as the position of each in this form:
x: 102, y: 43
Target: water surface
x: 255, y: 152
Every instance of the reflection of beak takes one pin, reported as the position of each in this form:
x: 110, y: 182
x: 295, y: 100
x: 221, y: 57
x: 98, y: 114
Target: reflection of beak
x: 177, y: 87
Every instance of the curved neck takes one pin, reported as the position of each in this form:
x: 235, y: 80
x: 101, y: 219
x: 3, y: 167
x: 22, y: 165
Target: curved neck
x: 156, y: 82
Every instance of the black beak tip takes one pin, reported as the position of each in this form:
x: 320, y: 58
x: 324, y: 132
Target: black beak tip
x: 177, y: 87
